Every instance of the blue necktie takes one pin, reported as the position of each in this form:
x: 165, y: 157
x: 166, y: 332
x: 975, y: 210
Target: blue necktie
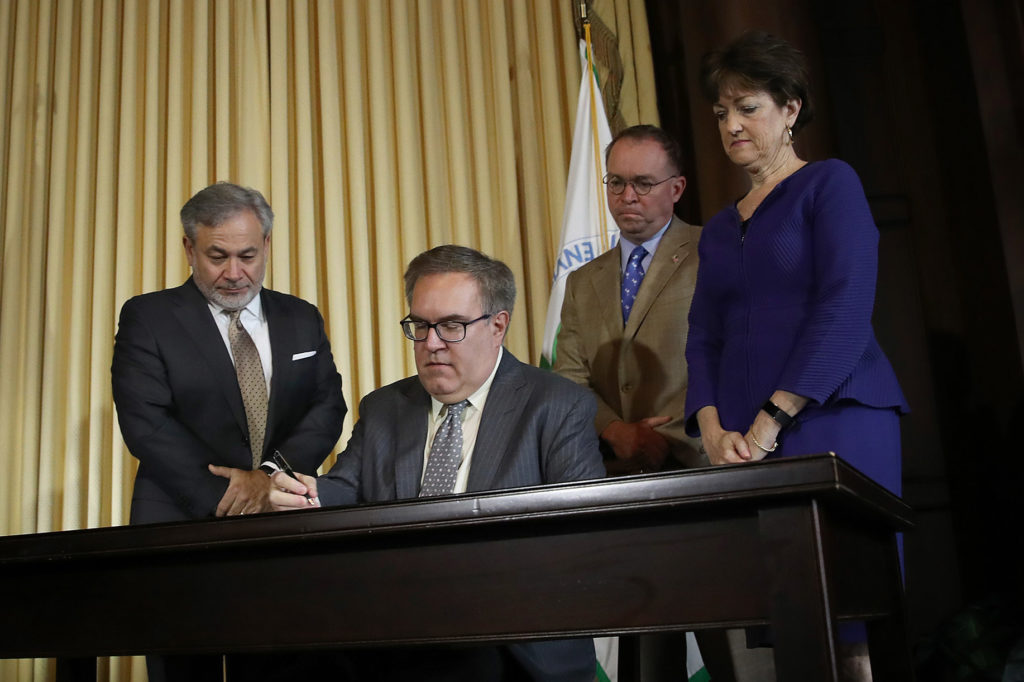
x: 631, y: 280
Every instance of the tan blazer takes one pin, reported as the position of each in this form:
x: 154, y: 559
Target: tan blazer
x: 638, y: 371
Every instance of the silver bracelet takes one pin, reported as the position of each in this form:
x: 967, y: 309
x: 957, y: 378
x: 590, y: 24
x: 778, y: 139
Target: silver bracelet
x: 754, y: 438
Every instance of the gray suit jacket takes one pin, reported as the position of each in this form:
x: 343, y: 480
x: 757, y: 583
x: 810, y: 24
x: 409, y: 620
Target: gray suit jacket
x: 639, y: 370
x: 536, y: 428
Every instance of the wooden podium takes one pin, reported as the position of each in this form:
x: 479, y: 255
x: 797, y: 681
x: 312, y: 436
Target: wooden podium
x: 796, y: 543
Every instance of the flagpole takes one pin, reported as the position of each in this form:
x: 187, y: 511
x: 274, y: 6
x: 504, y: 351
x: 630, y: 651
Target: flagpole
x: 603, y: 227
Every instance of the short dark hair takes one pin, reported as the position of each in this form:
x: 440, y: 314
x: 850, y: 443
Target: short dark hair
x: 655, y: 134
x: 222, y: 201
x: 495, y: 279
x: 760, y: 61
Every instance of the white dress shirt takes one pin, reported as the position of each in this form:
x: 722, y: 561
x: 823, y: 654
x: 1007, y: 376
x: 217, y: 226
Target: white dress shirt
x: 470, y: 427
x: 255, y: 323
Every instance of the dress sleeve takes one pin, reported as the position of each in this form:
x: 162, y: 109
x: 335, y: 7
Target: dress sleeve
x: 837, y: 327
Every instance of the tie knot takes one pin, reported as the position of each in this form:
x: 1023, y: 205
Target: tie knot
x: 638, y: 254
x: 233, y: 315
x: 455, y: 409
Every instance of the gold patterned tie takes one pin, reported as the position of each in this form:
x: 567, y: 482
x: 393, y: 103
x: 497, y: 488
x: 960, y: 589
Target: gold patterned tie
x: 251, y: 382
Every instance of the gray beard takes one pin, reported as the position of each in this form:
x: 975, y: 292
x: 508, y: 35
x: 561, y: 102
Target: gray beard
x: 230, y: 304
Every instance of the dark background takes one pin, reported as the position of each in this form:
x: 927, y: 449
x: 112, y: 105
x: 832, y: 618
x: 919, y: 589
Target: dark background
x: 926, y: 101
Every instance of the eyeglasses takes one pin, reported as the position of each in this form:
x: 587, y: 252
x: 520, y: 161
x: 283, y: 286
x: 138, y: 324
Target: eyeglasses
x: 449, y: 331
x: 617, y: 185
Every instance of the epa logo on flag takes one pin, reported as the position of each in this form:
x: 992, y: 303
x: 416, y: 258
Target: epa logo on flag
x: 580, y: 252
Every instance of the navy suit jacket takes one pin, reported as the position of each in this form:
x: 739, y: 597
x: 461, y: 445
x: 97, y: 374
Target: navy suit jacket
x: 180, y: 408
x: 536, y: 428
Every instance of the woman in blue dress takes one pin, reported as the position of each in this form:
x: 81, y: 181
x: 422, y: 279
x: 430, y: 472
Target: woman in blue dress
x: 782, y: 356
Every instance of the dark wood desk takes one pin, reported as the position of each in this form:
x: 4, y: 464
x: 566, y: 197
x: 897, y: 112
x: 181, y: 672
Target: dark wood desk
x: 799, y: 543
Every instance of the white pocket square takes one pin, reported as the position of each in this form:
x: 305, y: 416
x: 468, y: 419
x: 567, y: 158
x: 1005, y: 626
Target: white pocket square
x: 303, y: 356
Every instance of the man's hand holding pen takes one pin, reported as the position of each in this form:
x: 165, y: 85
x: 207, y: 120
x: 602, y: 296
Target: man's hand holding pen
x: 286, y: 485
x: 293, y: 493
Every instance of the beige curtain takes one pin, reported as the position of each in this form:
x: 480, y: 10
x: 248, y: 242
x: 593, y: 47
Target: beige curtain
x: 376, y: 129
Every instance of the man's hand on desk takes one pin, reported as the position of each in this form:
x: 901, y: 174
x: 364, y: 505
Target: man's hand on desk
x: 248, y: 491
x: 288, y: 493
x: 637, y: 446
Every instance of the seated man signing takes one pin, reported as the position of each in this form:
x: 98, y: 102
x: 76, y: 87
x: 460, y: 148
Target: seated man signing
x: 417, y: 437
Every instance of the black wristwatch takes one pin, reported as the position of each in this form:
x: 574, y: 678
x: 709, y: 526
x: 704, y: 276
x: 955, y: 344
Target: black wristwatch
x: 781, y: 417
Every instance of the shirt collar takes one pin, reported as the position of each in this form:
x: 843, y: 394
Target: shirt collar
x: 626, y: 247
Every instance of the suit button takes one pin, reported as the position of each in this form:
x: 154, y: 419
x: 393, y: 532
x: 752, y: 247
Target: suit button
x: 626, y: 388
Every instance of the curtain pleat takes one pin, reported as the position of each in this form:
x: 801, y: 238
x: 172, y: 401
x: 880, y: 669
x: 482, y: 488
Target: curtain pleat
x: 376, y: 129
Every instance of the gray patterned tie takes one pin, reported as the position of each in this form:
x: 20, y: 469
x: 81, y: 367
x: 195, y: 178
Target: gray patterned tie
x: 445, y: 454
x: 251, y: 382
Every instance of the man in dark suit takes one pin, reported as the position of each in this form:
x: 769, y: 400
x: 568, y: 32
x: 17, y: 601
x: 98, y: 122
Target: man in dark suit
x: 212, y: 376
x: 473, y: 419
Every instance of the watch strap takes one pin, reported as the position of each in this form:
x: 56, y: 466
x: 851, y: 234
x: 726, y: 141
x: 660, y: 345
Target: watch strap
x: 781, y: 417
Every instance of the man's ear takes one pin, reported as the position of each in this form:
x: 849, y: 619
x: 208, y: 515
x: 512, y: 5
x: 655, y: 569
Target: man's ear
x: 500, y: 321
x: 678, y: 185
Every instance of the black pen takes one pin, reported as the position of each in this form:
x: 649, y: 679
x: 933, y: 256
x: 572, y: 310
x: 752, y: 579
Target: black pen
x: 283, y: 465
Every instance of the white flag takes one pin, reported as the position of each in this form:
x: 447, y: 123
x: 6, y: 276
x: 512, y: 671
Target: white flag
x: 695, y: 670
x: 608, y: 660
x: 587, y: 226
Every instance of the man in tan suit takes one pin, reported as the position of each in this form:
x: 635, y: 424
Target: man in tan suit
x: 623, y: 336
x: 624, y: 316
